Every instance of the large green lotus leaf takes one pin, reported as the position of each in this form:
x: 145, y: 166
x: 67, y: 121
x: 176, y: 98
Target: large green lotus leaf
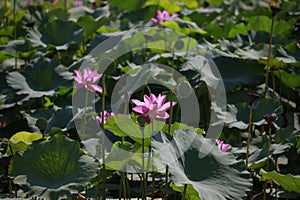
x: 41, y: 77
x: 120, y: 154
x: 129, y: 5
x: 165, y: 5
x: 81, y: 11
x: 197, y: 161
x: 122, y: 126
x: 58, y: 13
x: 20, y: 141
x: 62, y: 118
x: 288, y: 182
x: 51, y: 34
x: 292, y: 80
x: 286, y: 135
x: 238, y: 114
x: 90, y: 25
x: 53, y: 169
x: 183, y: 26
x: 190, y: 193
x: 175, y: 126
x: 239, y: 72
x: 24, y: 136
x: 259, y: 157
x: 263, y: 23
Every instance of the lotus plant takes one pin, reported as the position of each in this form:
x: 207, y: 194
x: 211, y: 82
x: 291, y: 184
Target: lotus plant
x: 162, y: 16
x: 153, y: 107
x: 88, y: 80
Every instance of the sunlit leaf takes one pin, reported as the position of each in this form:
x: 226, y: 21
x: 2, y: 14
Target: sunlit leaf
x: 288, y: 181
x: 59, y: 165
x: 198, y: 162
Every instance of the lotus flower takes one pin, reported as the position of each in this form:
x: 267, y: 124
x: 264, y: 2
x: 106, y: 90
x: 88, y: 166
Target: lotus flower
x: 153, y: 107
x: 106, y: 116
x: 298, y: 44
x: 88, y: 80
x: 55, y: 1
x: 77, y: 3
x: 222, y: 146
x: 163, y: 16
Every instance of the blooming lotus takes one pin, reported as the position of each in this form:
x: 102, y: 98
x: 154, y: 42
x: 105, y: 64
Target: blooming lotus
x: 153, y: 107
x: 106, y: 116
x: 163, y: 16
x: 88, y: 80
x: 222, y: 146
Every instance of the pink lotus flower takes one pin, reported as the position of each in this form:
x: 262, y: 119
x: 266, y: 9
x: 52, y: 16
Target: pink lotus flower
x: 55, y: 1
x: 106, y: 116
x: 88, y: 80
x: 163, y: 16
x: 153, y: 107
x: 77, y: 3
x: 298, y: 44
x: 222, y: 146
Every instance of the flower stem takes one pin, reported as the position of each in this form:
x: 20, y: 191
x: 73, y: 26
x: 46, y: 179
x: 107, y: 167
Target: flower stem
x: 249, y: 134
x: 269, y: 144
x: 65, y: 4
x: 169, y: 131
x: 269, y: 56
x: 167, y: 183
x: 103, y: 136
x: 15, y: 29
x: 189, y: 41
x: 84, y: 116
x: 143, y: 166
x: 184, y: 192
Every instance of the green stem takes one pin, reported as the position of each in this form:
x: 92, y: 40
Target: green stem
x: 269, y: 56
x: 128, y: 188
x: 169, y: 131
x: 85, y: 110
x: 143, y: 166
x: 15, y: 28
x: 65, y: 4
x: 6, y: 18
x: 269, y: 144
x: 124, y: 184
x: 103, y: 136
x: 184, y: 192
x: 153, y: 181
x: 188, y: 44
x: 167, y: 183
x: 249, y: 135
